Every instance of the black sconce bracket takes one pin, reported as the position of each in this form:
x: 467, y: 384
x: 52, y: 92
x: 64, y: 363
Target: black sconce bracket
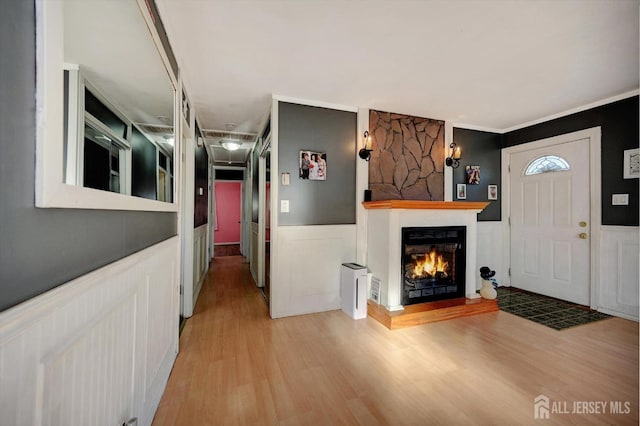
x: 451, y: 160
x: 365, y: 153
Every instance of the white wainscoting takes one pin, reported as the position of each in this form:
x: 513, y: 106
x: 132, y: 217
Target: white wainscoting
x: 97, y: 350
x: 489, y: 252
x: 200, y: 259
x: 305, y: 275
x: 619, y: 270
x: 253, y: 266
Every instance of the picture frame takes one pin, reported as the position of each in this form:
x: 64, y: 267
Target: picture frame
x: 492, y: 192
x: 631, y: 167
x: 473, y: 175
x: 461, y: 191
x: 312, y: 165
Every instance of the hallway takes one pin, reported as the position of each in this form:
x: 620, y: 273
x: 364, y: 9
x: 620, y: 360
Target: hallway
x: 238, y: 367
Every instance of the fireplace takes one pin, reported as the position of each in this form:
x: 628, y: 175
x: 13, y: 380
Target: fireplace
x: 433, y: 263
x: 384, y: 254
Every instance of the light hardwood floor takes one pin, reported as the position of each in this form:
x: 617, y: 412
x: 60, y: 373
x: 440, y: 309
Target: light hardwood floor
x: 238, y: 367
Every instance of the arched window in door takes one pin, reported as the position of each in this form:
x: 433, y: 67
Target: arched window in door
x: 546, y: 164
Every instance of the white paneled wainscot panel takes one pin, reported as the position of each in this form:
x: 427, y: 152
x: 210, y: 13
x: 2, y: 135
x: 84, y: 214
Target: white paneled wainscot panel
x: 306, y: 278
x: 97, y: 350
x: 619, y: 269
x: 490, y: 251
x: 200, y: 259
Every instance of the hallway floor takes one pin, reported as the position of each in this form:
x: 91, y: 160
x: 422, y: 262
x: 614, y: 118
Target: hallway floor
x: 236, y: 366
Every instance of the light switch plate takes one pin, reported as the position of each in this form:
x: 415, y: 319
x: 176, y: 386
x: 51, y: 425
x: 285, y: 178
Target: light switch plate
x: 286, y: 179
x: 619, y: 199
x: 284, y: 206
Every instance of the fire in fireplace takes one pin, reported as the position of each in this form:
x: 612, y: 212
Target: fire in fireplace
x: 433, y: 263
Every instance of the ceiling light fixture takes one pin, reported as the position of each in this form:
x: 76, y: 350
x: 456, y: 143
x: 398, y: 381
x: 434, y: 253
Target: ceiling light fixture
x: 230, y: 145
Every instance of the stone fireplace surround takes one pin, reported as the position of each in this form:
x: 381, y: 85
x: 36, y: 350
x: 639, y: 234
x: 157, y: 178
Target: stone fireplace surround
x: 385, y: 220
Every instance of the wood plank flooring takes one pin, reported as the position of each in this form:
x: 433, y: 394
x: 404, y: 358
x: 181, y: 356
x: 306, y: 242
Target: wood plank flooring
x: 238, y: 367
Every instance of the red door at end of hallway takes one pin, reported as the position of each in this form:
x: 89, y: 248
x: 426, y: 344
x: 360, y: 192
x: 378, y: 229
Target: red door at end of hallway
x: 228, y: 196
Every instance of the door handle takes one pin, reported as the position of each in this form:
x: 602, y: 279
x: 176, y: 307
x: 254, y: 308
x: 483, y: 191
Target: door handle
x: 582, y: 235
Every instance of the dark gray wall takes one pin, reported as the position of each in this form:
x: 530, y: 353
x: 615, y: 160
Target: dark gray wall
x: 224, y: 174
x: 619, y: 123
x: 480, y: 149
x: 201, y: 203
x: 43, y: 248
x: 302, y: 127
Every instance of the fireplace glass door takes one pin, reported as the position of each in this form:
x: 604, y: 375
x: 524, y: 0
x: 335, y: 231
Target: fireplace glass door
x: 433, y: 263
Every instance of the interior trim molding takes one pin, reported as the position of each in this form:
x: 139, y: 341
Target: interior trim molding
x: 574, y: 110
x: 308, y: 102
x: 544, y: 119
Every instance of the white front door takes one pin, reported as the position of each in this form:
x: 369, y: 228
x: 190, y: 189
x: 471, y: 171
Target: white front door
x: 550, y: 223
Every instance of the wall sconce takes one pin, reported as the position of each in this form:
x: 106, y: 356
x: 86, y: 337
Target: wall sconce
x: 453, y: 160
x: 365, y: 151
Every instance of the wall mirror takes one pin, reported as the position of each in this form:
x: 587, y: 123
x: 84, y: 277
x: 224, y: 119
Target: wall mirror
x: 106, y: 108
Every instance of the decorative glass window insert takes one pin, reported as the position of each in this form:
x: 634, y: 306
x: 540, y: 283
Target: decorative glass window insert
x: 546, y: 164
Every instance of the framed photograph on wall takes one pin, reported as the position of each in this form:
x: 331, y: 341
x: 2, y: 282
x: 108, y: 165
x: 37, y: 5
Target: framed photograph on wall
x: 473, y: 175
x: 492, y: 192
x: 461, y: 191
x: 313, y: 165
x: 632, y: 163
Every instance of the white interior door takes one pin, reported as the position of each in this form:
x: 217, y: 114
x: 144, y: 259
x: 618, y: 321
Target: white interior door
x: 550, y: 223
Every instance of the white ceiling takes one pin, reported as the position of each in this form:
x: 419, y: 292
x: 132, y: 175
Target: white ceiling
x: 491, y: 64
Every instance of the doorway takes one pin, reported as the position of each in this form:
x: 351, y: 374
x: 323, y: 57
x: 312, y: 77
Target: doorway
x: 554, y: 215
x: 227, y: 218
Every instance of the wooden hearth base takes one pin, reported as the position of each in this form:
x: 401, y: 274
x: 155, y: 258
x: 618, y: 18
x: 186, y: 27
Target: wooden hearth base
x: 423, y: 313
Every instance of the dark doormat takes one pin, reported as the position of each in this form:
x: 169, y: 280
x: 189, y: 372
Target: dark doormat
x: 545, y: 310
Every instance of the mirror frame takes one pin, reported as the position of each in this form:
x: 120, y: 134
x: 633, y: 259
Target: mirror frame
x: 50, y: 189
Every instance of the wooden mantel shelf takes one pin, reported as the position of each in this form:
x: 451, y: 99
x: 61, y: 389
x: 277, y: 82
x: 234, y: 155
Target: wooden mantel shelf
x: 425, y: 205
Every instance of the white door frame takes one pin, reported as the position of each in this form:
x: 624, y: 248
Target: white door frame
x: 241, y: 182
x: 595, y: 184
x: 187, y: 200
x: 262, y: 214
x: 212, y: 216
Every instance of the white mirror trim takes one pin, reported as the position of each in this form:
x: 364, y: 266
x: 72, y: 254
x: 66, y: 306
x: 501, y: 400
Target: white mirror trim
x: 50, y: 189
